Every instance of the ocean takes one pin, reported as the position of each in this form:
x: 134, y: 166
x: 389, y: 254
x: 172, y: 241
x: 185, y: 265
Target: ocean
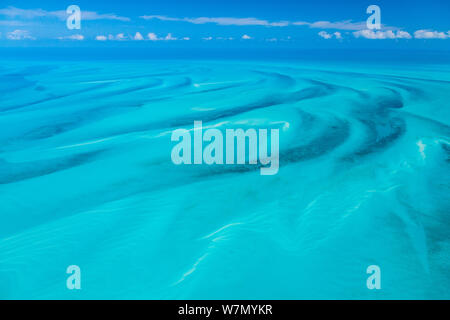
x: 86, y: 176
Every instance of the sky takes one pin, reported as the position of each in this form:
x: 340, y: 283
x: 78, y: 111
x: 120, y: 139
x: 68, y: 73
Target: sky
x: 227, y: 23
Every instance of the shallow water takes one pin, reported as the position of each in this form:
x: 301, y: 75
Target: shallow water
x: 86, y: 179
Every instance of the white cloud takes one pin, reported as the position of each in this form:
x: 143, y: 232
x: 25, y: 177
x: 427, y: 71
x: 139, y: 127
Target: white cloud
x: 359, y: 28
x: 208, y: 38
x: 223, y: 21
x: 121, y: 36
x: 12, y: 23
x: 327, y: 35
x: 78, y: 37
x: 163, y: 18
x: 403, y: 35
x: 152, y: 37
x: 280, y: 24
x: 428, y: 34
x: 389, y: 34
x: 138, y: 36
x: 13, y: 12
x: 169, y: 37
x: 340, y: 25
x: 246, y: 37
x: 370, y: 34
x: 90, y: 15
x: 19, y: 35
x: 228, y: 21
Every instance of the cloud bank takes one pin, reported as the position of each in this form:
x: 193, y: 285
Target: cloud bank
x: 428, y: 34
x: 228, y: 21
x: 78, y: 37
x: 223, y: 21
x: 389, y: 34
x: 13, y: 12
x: 19, y: 35
x: 340, y: 25
x: 328, y: 36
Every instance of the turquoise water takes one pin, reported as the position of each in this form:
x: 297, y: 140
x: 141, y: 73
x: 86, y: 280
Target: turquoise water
x: 86, y: 179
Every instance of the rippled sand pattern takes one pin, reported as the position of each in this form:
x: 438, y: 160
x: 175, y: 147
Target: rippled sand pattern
x: 86, y: 179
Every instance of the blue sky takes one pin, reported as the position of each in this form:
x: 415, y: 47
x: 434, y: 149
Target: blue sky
x: 231, y: 23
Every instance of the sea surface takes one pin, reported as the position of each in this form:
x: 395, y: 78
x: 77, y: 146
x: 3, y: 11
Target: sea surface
x: 86, y: 179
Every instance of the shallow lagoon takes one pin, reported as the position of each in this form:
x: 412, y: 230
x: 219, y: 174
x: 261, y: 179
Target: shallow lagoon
x: 86, y: 179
